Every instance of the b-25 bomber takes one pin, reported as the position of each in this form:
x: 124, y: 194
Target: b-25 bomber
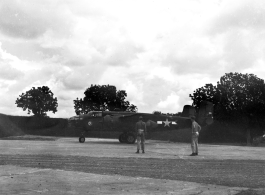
x: 124, y: 122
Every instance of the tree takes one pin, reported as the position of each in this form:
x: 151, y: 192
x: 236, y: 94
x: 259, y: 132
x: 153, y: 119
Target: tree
x: 101, y: 98
x: 38, y: 101
x: 237, y: 98
x: 156, y: 112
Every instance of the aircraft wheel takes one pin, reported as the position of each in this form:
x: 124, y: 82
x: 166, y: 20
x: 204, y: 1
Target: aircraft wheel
x: 122, y: 138
x: 131, y: 138
x: 82, y: 139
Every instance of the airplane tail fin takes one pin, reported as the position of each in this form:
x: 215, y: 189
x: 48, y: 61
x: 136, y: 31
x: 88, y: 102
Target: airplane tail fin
x: 188, y: 111
x: 204, y: 115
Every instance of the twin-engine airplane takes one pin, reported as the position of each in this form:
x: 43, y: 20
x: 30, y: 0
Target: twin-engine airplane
x: 124, y: 122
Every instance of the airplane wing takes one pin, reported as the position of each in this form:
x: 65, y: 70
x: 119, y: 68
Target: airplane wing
x: 115, y: 117
x: 119, y: 114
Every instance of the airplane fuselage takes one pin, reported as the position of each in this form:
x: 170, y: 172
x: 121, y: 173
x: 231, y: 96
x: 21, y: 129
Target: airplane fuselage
x: 124, y: 122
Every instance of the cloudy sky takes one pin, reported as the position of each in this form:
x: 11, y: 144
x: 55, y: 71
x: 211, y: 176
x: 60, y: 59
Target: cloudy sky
x: 159, y: 51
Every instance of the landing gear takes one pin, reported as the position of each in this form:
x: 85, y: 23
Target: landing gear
x: 128, y: 138
x: 82, y: 139
x: 123, y: 138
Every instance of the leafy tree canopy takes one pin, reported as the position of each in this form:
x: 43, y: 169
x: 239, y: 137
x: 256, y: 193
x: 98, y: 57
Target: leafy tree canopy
x: 38, y: 101
x: 102, y: 98
x: 236, y: 97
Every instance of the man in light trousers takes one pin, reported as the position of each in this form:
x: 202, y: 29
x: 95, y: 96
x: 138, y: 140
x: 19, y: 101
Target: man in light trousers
x: 195, y: 130
x: 140, y: 129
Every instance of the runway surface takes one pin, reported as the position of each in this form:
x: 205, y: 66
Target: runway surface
x: 65, y: 166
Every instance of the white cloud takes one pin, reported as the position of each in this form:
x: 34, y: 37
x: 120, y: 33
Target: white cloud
x: 8, y: 72
x: 31, y: 19
x: 158, y: 51
x: 239, y: 14
x: 170, y: 104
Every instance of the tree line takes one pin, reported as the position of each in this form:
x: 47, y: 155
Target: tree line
x: 41, y: 100
x: 238, y: 98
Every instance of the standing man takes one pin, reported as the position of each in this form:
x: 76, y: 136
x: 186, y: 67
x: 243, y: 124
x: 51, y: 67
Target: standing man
x: 195, y: 130
x: 140, y: 129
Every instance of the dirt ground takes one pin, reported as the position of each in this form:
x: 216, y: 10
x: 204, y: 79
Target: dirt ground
x: 48, y: 165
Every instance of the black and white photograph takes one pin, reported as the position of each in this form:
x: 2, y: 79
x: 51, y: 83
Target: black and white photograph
x: 150, y: 97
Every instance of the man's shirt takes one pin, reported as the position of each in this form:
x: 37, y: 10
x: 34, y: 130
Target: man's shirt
x: 195, y: 128
x: 140, y: 125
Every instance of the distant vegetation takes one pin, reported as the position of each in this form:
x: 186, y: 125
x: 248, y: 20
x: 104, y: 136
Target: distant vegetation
x: 239, y: 106
x: 38, y: 101
x: 239, y: 101
x: 101, y: 98
x: 29, y: 125
x: 157, y: 112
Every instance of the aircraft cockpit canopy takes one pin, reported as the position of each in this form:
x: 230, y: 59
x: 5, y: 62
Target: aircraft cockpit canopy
x: 95, y: 113
x: 89, y: 114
